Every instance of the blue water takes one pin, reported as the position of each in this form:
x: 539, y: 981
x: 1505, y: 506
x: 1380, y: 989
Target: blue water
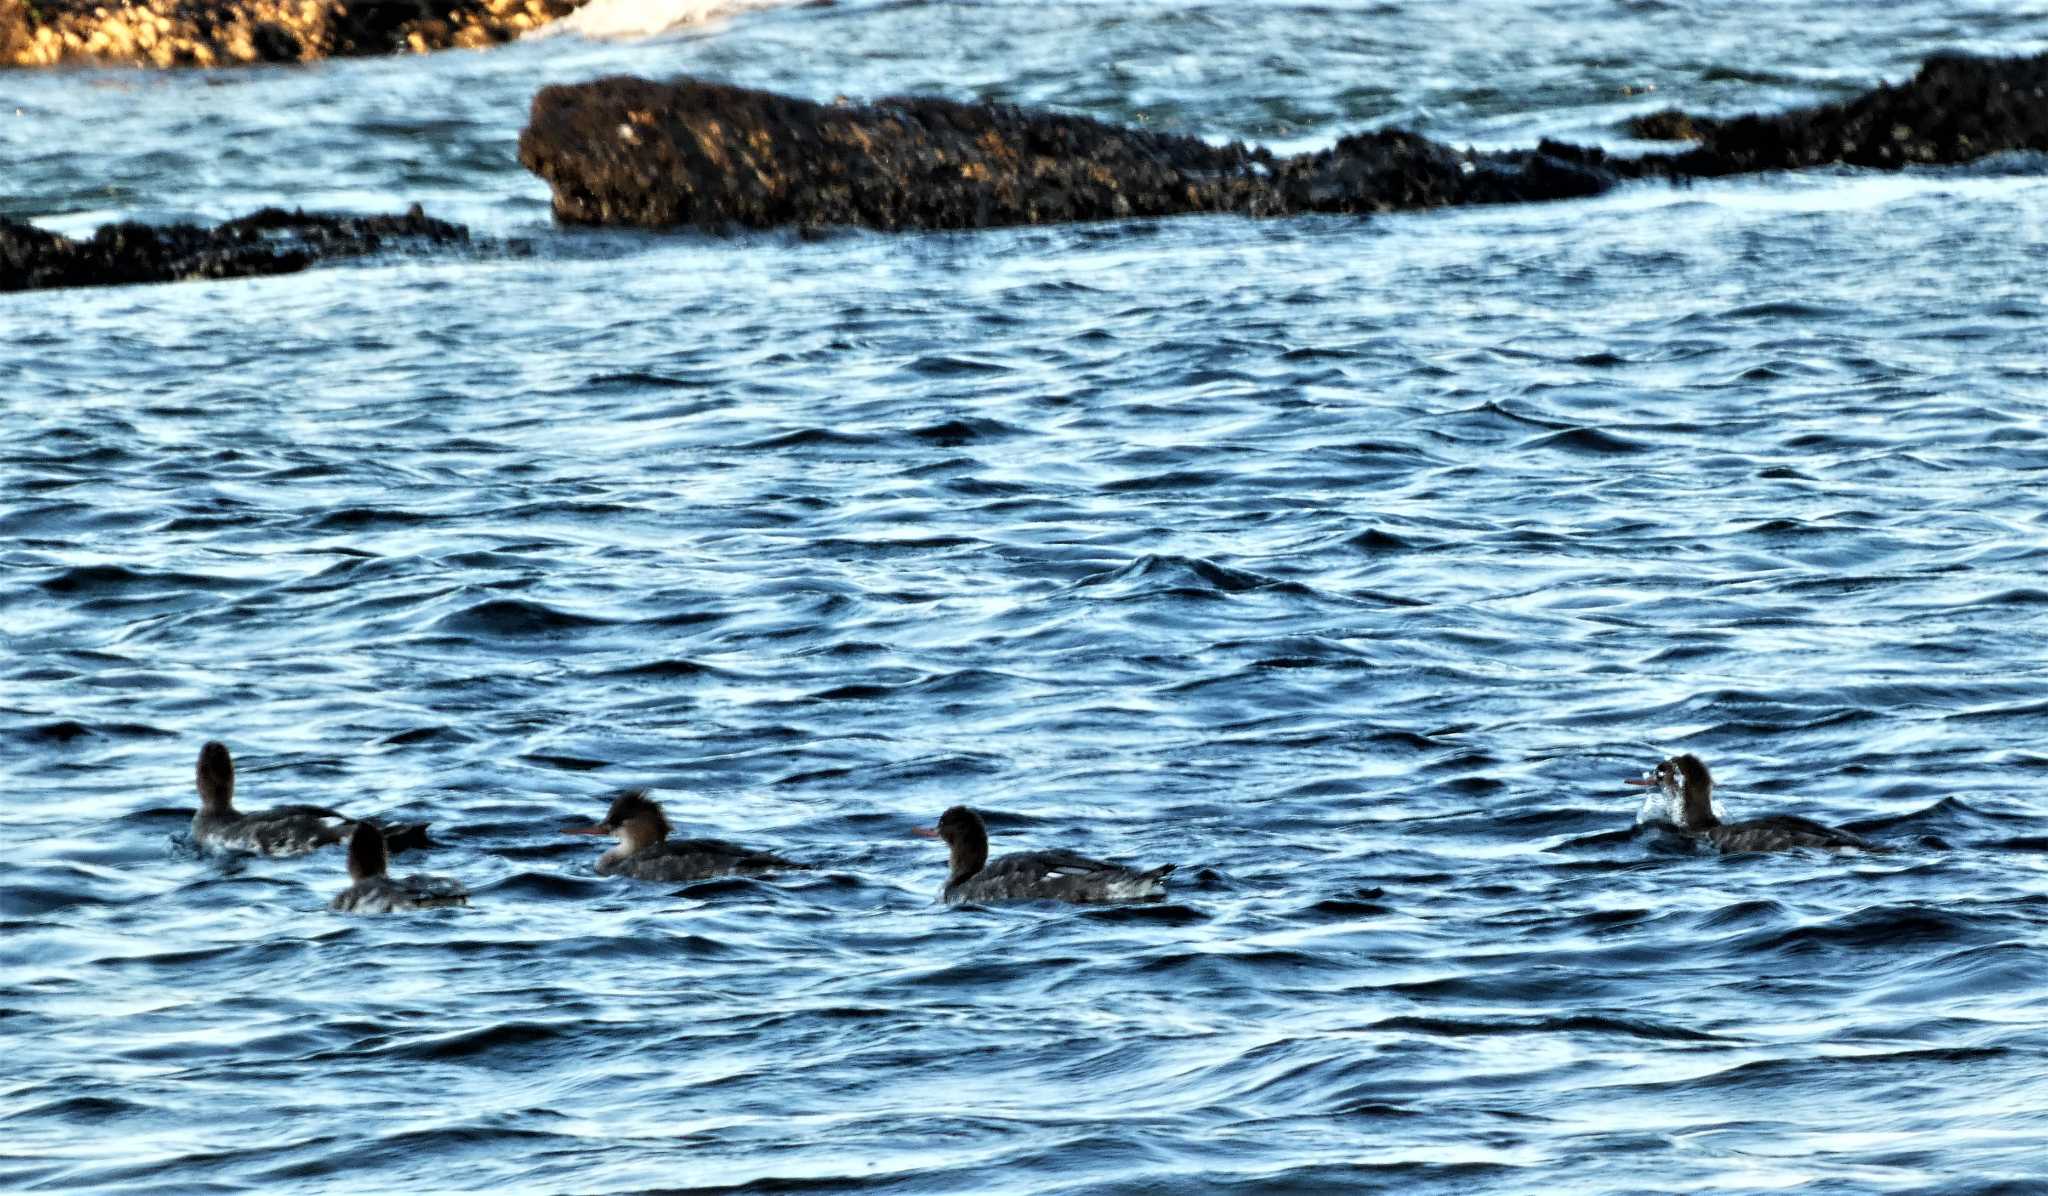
x: 1351, y: 565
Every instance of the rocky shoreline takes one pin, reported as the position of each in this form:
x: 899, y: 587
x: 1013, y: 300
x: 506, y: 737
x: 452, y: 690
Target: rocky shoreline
x: 270, y: 241
x: 630, y: 151
x: 170, y: 33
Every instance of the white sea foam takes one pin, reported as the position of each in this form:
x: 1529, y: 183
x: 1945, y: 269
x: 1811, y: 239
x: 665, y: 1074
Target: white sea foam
x: 1663, y: 807
x: 1658, y: 808
x: 645, y: 18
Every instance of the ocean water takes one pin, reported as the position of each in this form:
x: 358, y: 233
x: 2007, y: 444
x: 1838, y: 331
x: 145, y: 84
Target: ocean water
x: 1352, y: 565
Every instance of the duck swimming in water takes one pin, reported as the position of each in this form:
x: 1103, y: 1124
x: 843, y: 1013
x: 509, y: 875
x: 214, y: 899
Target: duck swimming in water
x: 376, y: 893
x: 645, y: 851
x: 285, y: 830
x: 1690, y: 788
x: 1033, y: 875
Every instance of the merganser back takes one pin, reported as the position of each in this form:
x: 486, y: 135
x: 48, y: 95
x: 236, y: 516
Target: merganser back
x: 1033, y: 875
x: 645, y: 851
x: 376, y: 893
x: 284, y: 830
x: 1686, y: 782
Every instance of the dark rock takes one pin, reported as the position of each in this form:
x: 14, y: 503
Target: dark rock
x: 1956, y: 109
x: 631, y: 151
x: 1388, y: 171
x: 225, y: 32
x: 270, y: 241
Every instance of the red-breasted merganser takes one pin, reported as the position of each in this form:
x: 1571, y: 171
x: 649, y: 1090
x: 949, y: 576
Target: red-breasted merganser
x: 645, y: 851
x: 376, y: 893
x: 1033, y: 875
x: 285, y: 830
x: 1690, y: 788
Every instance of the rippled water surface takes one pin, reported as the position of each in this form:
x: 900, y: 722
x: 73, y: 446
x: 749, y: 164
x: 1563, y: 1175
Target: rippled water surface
x: 1351, y: 565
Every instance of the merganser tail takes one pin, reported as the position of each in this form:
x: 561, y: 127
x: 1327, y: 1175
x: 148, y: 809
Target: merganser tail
x: 406, y: 836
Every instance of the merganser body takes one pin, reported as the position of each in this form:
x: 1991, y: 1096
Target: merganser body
x: 284, y: 830
x: 1689, y: 789
x: 375, y: 892
x: 1033, y: 875
x: 645, y: 852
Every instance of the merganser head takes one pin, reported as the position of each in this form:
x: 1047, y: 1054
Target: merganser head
x: 634, y: 819
x: 216, y: 779
x: 1685, y: 780
x: 967, y: 837
x: 366, y: 856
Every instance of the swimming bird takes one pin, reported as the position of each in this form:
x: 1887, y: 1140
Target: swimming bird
x: 645, y: 851
x: 1690, y: 788
x: 376, y: 893
x: 1033, y: 875
x: 285, y: 830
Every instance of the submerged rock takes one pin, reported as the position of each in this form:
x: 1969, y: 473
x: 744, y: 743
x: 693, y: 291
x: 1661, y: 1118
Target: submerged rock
x: 270, y: 241
x: 631, y: 151
x: 225, y: 32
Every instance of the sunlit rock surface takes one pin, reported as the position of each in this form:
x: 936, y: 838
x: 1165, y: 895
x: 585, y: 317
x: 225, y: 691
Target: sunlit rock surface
x: 227, y: 32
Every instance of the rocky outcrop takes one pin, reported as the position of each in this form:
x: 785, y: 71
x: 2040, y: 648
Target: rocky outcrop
x: 225, y: 32
x: 271, y: 241
x: 631, y: 151
x: 1956, y: 109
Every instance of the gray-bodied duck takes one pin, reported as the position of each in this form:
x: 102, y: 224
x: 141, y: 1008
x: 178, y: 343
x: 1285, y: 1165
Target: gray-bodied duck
x: 1689, y: 789
x: 377, y: 892
x: 1033, y: 875
x: 284, y: 830
x: 645, y: 852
